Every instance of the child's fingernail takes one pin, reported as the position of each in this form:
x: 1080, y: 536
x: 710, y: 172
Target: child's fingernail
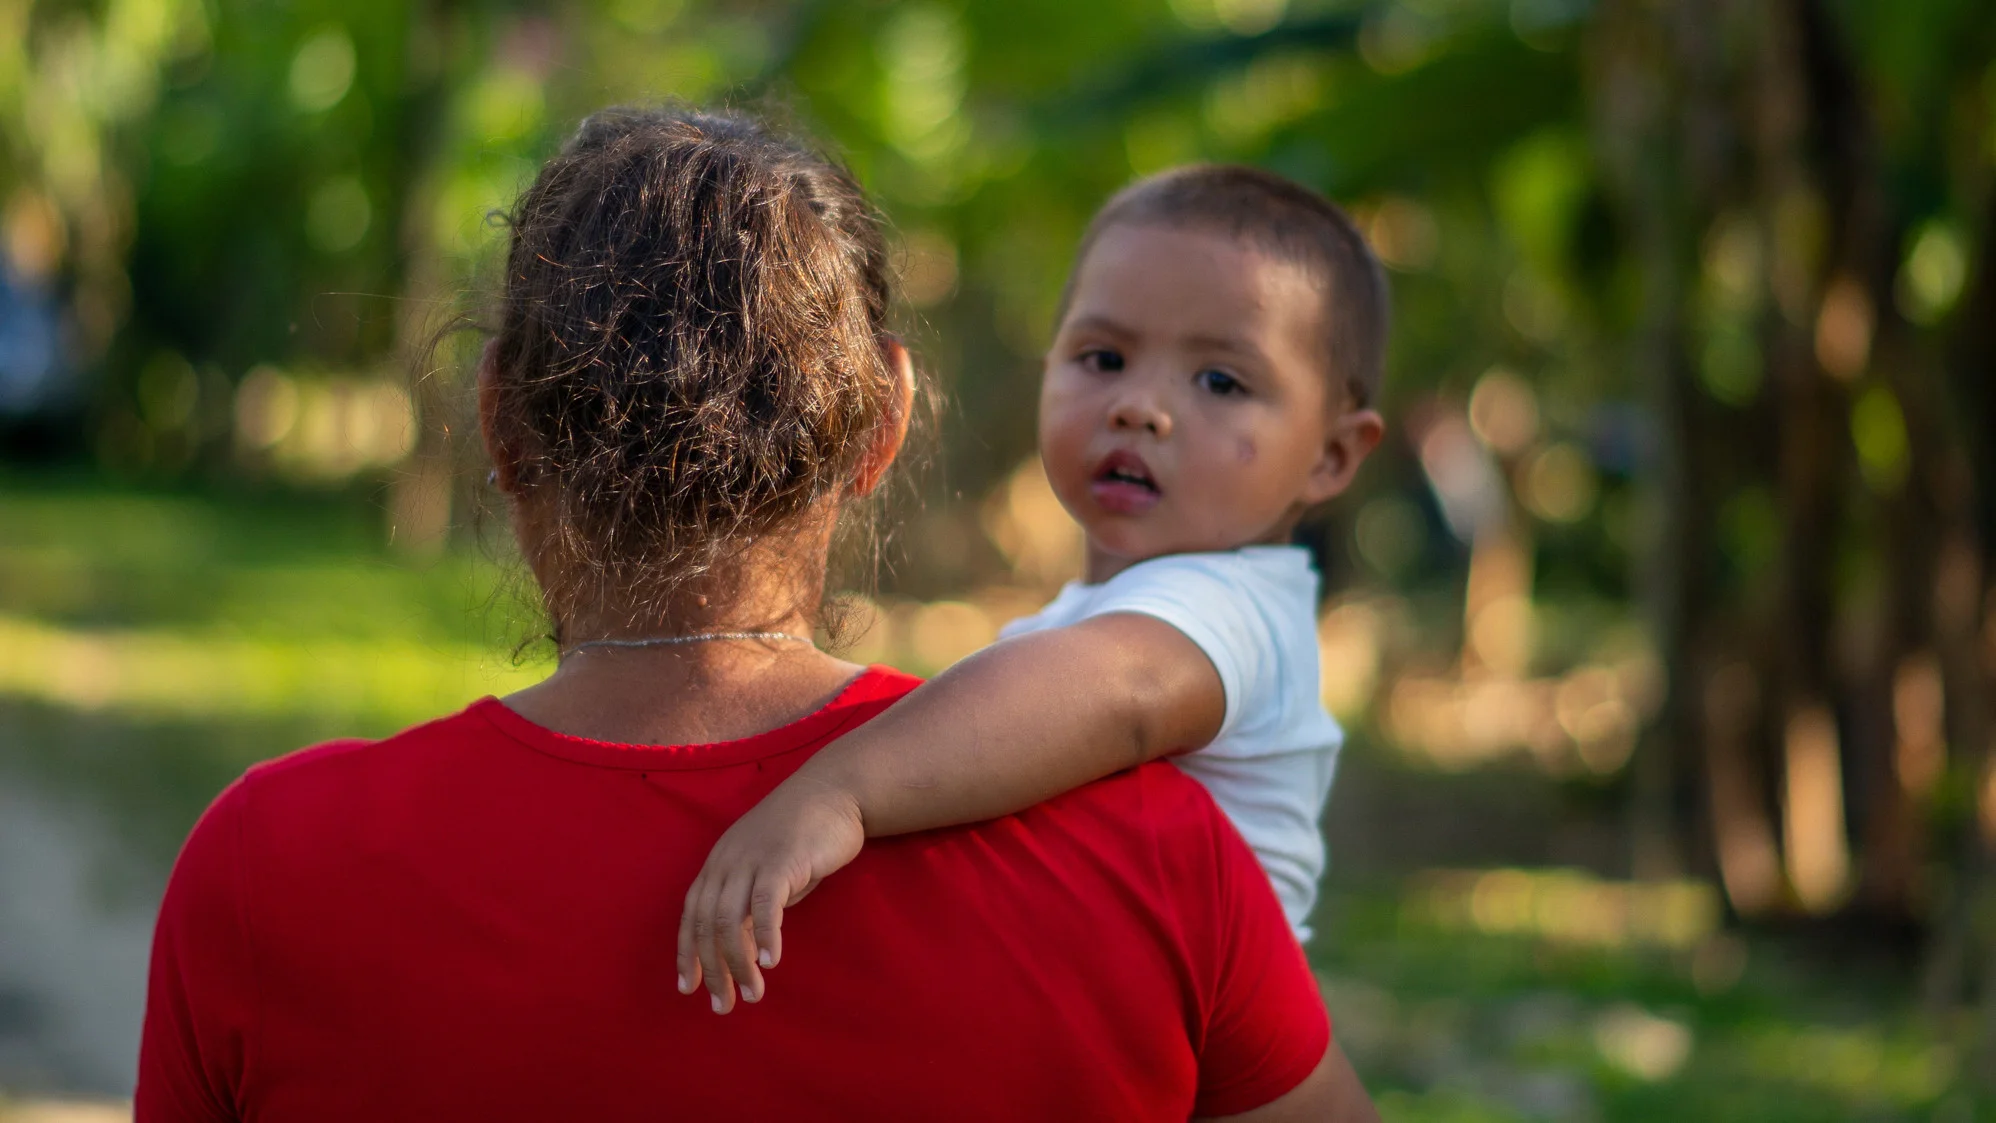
x: 717, y: 1004
x: 684, y: 986
x: 763, y: 957
x: 747, y: 994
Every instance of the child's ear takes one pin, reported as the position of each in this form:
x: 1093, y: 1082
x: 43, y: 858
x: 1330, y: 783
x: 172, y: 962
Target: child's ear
x: 1352, y: 438
x: 887, y: 445
x: 505, y: 459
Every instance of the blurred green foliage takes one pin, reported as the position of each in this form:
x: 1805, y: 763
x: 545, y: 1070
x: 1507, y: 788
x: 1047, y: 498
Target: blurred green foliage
x: 308, y: 184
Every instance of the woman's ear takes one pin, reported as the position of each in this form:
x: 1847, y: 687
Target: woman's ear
x: 1352, y: 437
x: 505, y: 459
x: 887, y: 443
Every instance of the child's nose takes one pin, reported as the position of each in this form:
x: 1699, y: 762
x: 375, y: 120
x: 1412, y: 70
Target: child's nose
x: 1139, y: 412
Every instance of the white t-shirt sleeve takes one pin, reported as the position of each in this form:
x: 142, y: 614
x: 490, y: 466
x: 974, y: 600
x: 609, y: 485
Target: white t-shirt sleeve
x: 1253, y: 613
x: 1213, y: 599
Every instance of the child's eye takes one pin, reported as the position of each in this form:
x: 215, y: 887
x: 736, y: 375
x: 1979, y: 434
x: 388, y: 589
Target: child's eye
x: 1220, y: 382
x: 1102, y: 360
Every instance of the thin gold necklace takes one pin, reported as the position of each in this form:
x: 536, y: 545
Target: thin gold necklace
x: 698, y: 637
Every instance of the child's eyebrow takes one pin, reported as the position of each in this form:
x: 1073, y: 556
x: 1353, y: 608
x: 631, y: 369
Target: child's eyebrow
x: 1102, y: 325
x: 1230, y: 344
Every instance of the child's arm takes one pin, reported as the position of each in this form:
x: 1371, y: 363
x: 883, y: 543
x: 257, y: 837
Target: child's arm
x: 999, y: 732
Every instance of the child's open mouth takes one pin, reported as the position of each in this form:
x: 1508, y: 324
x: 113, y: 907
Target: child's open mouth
x: 1122, y: 484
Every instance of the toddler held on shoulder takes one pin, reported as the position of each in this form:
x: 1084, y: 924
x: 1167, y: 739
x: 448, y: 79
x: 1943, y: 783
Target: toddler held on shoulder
x: 1220, y: 343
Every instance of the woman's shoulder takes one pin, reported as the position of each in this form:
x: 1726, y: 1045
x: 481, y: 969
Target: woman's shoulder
x: 311, y: 757
x: 1154, y: 805
x: 338, y: 763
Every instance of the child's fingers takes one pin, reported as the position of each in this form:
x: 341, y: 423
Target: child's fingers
x: 731, y: 931
x: 766, y: 910
x: 707, y: 937
x: 689, y: 950
x: 748, y: 977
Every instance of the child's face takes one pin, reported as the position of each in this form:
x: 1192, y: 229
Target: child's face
x: 1186, y: 405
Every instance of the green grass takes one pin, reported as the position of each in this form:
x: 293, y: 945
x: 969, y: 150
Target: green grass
x: 1450, y: 1024
x: 278, y: 566
x: 164, y: 606
x: 233, y: 630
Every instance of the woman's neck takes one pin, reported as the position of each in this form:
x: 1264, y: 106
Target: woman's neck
x: 717, y: 690
x: 700, y: 691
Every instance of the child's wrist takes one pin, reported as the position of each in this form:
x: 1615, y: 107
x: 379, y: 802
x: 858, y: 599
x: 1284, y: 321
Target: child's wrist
x: 826, y: 783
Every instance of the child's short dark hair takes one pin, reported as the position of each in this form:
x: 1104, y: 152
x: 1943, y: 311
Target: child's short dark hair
x: 1283, y: 218
x: 689, y: 348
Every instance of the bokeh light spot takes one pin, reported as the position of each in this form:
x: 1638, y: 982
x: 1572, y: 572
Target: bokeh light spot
x: 1503, y: 412
x: 322, y: 70
x: 1560, y: 484
x: 1931, y: 278
x: 1389, y: 535
x: 338, y: 214
x: 1640, y: 1043
x: 1878, y: 429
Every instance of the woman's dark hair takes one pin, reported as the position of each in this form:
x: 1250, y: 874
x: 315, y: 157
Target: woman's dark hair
x: 689, y: 350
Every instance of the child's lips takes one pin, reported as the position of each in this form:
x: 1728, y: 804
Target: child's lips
x: 1121, y: 497
x: 1123, y: 484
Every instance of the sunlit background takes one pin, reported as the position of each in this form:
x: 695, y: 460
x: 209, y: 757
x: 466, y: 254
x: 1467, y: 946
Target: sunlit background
x: 1663, y: 623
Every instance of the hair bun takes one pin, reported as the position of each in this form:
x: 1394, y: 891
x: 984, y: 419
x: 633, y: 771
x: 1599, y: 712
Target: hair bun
x: 688, y: 355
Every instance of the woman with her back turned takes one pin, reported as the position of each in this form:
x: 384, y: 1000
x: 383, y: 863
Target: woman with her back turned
x: 692, y: 374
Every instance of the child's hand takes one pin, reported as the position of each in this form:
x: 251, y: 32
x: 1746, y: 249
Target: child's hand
x: 767, y: 861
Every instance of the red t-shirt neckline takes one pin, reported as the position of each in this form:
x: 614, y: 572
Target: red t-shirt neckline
x: 854, y: 703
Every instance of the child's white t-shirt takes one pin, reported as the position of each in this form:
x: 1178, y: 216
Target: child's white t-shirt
x: 1253, y: 612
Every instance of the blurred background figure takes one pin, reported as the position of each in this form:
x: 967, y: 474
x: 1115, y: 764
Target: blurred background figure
x: 1665, y: 624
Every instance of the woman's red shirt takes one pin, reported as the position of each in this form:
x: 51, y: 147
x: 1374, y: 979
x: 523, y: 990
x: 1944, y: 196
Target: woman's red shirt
x: 474, y: 919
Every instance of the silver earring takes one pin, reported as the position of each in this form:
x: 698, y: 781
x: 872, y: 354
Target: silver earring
x: 492, y: 478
